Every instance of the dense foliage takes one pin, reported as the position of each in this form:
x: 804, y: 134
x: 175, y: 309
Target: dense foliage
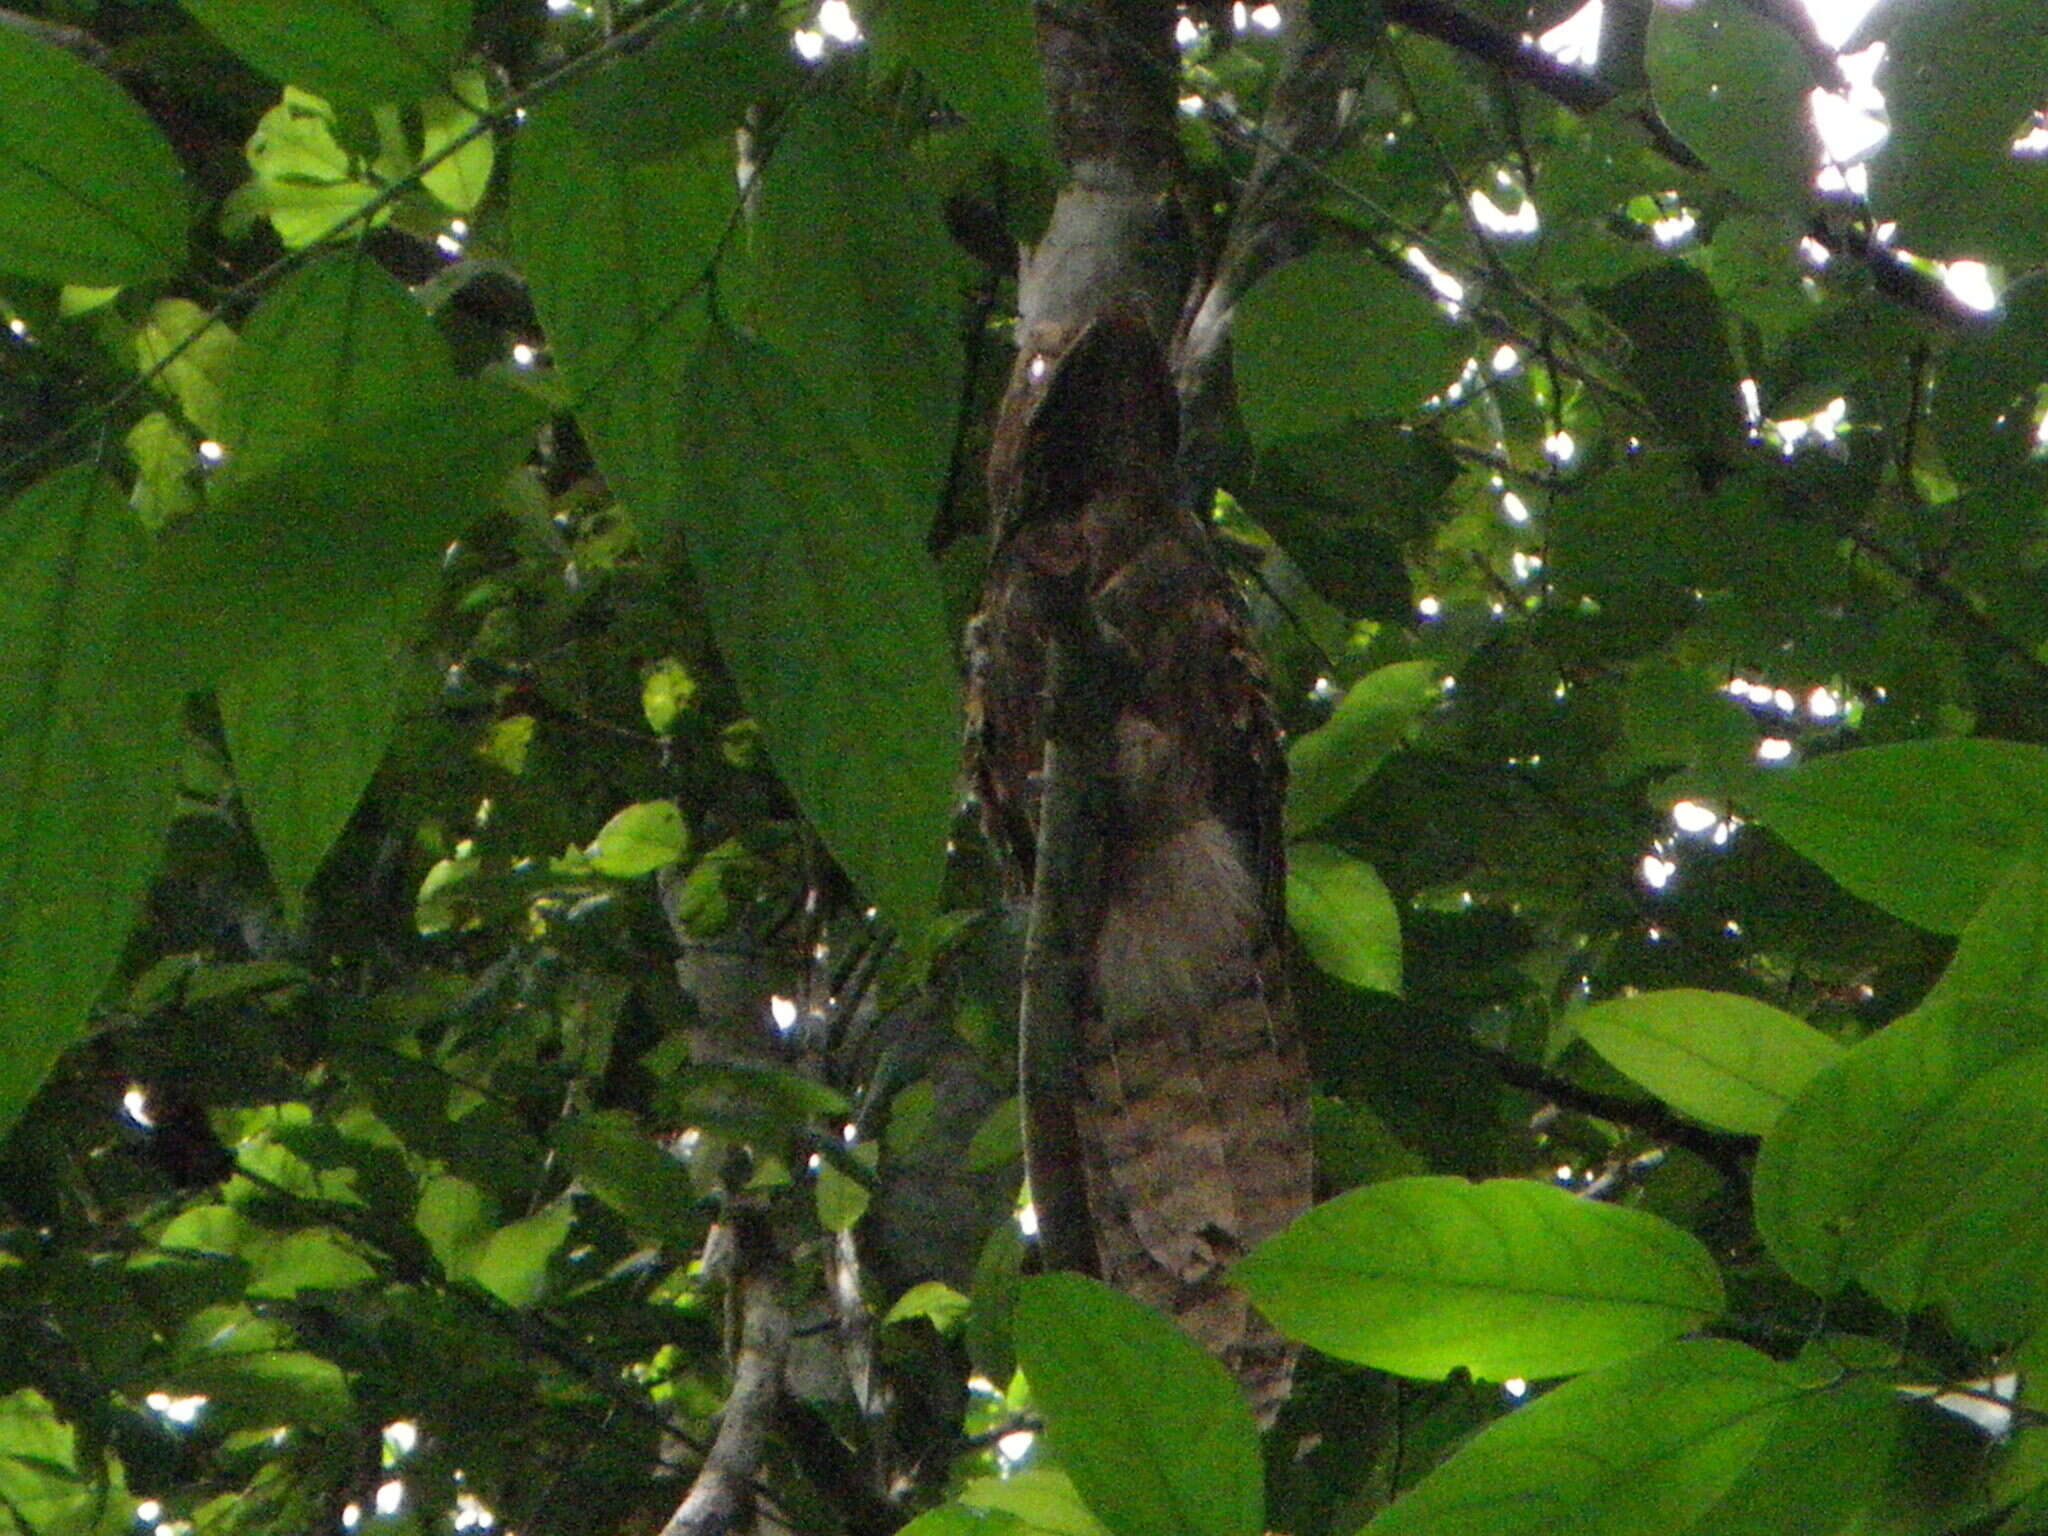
x: 486, y: 915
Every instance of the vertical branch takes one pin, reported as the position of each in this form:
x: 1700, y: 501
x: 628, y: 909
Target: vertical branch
x: 721, y: 1498
x: 1110, y: 70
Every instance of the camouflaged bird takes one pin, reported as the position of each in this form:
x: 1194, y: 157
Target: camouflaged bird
x: 1192, y: 1114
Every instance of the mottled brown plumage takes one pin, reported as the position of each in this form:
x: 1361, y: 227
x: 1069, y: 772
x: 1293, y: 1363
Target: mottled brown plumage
x: 1192, y: 1112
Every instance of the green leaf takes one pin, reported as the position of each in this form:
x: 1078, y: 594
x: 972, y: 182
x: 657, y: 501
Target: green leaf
x: 1042, y: 1497
x: 616, y: 1161
x: 1421, y: 1276
x: 617, y: 254
x: 1725, y: 1060
x: 307, y: 724
x: 1679, y: 360
x: 1733, y: 85
x: 829, y: 618
x: 360, y: 52
x: 2003, y: 951
x: 1333, y: 762
x: 1960, y: 79
x: 859, y: 291
x: 305, y: 182
x: 89, y: 744
x: 188, y: 354
x: 1923, y: 829
x: 1985, y: 405
x: 665, y: 692
x: 1152, y: 1430
x: 292, y: 545
x: 52, y: 1484
x: 460, y: 181
x: 1343, y: 504
x: 458, y: 1221
x: 1389, y: 350
x: 981, y: 60
x: 1340, y: 910
x: 1645, y: 1447
x: 267, y: 1388
x: 640, y: 839
x: 694, y: 80
x: 333, y: 346
x: 1897, y: 1166
x: 842, y: 1199
x: 935, y: 1300
x: 958, y: 1520
x: 90, y: 192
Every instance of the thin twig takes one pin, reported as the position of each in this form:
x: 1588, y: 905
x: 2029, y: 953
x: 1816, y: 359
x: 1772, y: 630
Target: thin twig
x: 71, y: 39
x: 1726, y: 1152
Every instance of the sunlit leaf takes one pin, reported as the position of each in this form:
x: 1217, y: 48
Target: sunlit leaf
x: 1923, y: 829
x: 640, y: 839
x: 1327, y: 766
x: 1909, y: 1165
x: 1729, y: 1061
x: 1152, y: 1430
x: 1341, y: 911
x: 1509, y: 1278
x: 1643, y: 1448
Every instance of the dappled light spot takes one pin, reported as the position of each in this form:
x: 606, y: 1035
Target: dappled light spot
x: 1576, y: 39
x: 1969, y: 284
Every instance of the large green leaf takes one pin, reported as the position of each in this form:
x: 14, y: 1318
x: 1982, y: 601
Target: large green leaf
x: 859, y: 289
x: 1914, y: 1165
x: 49, y: 1481
x: 616, y: 1161
x: 1152, y: 1430
x: 1335, y: 335
x: 307, y: 721
x: 1330, y: 764
x: 1923, y: 829
x: 304, y: 542
x: 1733, y: 84
x: 697, y: 78
x: 2003, y: 952
x: 89, y: 190
x: 1984, y: 407
x: 1647, y: 1447
x: 1679, y: 360
x: 1421, y: 1276
x: 1960, y: 80
x: 828, y: 616
x: 89, y: 743
x: 336, y: 344
x: 1727, y: 1060
x: 982, y: 60
x: 618, y: 254
x: 1341, y: 911
x: 360, y: 52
